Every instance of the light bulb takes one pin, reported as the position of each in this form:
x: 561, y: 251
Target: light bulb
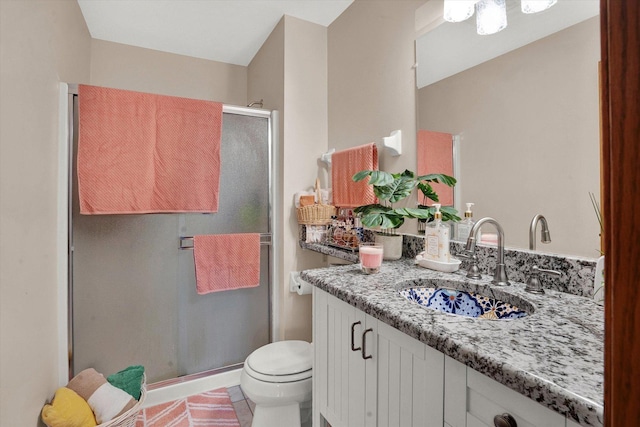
x: 458, y: 10
x: 534, y: 6
x: 491, y: 16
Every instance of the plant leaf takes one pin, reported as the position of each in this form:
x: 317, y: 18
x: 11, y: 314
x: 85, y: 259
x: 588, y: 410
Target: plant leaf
x: 449, y: 214
x: 400, y: 188
x: 361, y: 175
x: 382, y: 220
x: 439, y: 178
x: 414, y: 213
x: 428, y: 191
x: 373, y: 208
x: 380, y: 178
x: 376, y: 178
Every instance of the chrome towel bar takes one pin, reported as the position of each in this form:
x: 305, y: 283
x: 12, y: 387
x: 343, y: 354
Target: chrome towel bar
x: 186, y: 242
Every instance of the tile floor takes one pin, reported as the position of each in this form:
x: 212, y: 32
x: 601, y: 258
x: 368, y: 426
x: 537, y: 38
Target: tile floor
x: 243, y: 406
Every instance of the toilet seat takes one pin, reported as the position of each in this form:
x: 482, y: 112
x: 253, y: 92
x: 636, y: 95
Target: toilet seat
x: 281, y: 362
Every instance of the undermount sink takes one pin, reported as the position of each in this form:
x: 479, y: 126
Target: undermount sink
x: 464, y: 303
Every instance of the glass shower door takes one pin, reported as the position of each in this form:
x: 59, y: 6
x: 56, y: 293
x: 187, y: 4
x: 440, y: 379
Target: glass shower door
x: 133, y: 289
x: 223, y: 328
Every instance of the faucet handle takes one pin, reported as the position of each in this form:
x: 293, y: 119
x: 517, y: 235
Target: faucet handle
x: 550, y: 272
x: 473, y: 272
x: 533, y: 282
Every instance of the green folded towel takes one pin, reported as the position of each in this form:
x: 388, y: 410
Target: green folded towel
x: 129, y: 380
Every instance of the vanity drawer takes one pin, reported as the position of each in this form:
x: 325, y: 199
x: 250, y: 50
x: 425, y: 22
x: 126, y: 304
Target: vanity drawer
x: 487, y: 398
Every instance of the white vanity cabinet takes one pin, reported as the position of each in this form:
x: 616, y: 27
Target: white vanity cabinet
x: 473, y: 400
x: 367, y: 373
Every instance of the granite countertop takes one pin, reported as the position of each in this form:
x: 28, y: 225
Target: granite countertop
x: 554, y: 355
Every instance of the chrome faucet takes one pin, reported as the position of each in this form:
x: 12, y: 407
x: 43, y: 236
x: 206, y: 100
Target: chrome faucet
x: 500, y: 275
x: 545, y: 237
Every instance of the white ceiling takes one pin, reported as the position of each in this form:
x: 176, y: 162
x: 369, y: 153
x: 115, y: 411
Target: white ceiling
x: 450, y: 48
x: 230, y: 31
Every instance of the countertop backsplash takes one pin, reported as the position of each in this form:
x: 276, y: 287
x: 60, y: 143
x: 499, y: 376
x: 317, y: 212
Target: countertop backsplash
x: 577, y: 278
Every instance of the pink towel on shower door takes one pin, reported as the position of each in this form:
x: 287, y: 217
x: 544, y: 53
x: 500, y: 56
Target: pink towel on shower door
x: 146, y: 153
x: 345, y: 164
x: 226, y: 261
x: 435, y: 155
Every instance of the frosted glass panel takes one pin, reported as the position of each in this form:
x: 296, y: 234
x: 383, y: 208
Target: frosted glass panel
x: 223, y: 328
x: 134, y: 298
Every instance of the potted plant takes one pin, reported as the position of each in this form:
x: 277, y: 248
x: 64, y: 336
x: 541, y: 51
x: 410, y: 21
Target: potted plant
x: 391, y: 188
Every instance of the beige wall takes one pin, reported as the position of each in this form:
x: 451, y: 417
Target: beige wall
x: 42, y: 43
x: 146, y: 70
x: 530, y: 137
x: 371, y: 78
x: 290, y: 74
x: 266, y: 82
x: 305, y: 139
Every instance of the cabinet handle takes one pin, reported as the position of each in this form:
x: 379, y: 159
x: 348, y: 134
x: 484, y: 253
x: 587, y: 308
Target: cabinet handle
x: 504, y: 420
x: 353, y: 327
x: 364, y: 345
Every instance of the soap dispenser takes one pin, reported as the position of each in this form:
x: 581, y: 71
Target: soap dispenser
x: 436, y: 238
x: 464, y: 226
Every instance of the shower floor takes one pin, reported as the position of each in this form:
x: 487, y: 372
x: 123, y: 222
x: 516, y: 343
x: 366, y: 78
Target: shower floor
x: 221, y: 407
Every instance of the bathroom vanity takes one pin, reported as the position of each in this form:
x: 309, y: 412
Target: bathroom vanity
x: 383, y: 360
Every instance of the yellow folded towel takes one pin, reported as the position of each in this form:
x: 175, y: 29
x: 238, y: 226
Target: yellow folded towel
x: 68, y: 410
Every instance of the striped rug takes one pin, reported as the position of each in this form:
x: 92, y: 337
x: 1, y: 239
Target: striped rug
x: 209, y: 409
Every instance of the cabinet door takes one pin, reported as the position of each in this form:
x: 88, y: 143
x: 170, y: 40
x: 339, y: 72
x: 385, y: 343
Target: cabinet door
x: 341, y: 374
x: 410, y: 381
x: 455, y: 393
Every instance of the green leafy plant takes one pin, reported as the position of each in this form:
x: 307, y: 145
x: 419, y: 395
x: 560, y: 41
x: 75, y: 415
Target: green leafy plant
x: 391, y: 188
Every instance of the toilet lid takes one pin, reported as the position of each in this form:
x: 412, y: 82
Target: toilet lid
x: 282, y: 358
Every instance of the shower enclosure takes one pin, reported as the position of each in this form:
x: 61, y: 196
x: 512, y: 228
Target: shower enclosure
x: 132, y: 291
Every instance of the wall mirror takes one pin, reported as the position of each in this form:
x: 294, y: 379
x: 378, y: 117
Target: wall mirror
x: 524, y: 105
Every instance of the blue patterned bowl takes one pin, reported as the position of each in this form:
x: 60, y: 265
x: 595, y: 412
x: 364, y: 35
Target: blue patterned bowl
x: 462, y: 303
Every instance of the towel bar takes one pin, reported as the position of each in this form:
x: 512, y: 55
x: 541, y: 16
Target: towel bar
x: 265, y: 239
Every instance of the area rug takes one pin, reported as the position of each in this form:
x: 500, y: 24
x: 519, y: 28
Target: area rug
x: 209, y: 409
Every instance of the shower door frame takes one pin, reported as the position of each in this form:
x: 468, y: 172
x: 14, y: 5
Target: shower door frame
x: 65, y: 232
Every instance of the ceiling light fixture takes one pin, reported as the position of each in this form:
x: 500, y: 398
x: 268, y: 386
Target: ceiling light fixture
x: 535, y: 6
x: 491, y: 15
x: 459, y: 10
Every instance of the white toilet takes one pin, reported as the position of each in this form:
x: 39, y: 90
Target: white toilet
x: 277, y: 378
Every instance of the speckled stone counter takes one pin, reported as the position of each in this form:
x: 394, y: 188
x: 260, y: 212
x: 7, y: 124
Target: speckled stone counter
x: 577, y: 272
x: 554, y: 355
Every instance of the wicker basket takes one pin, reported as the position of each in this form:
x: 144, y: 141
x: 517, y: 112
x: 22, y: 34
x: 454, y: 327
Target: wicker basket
x: 128, y: 419
x: 315, y: 214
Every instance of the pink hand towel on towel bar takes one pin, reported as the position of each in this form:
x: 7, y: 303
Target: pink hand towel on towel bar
x: 435, y: 155
x: 226, y: 261
x: 345, y: 164
x: 145, y: 153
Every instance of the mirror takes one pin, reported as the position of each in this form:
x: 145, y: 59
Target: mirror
x: 527, y: 121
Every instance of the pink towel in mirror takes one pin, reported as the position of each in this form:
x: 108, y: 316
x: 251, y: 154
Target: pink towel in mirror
x: 146, y: 153
x: 435, y: 155
x: 226, y: 261
x: 345, y: 164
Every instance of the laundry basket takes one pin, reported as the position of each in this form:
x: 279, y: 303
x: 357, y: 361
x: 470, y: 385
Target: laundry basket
x: 128, y: 419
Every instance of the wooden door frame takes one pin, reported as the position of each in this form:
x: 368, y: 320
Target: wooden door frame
x: 620, y: 45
